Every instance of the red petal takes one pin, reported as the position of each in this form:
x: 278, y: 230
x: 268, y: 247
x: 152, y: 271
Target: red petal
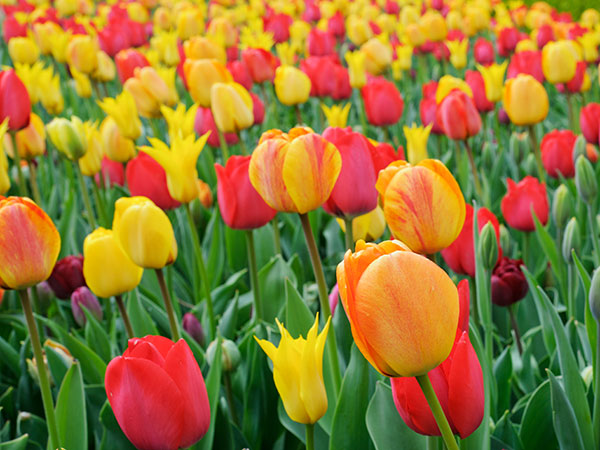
x: 162, y: 344
x: 464, y: 304
x: 145, y: 350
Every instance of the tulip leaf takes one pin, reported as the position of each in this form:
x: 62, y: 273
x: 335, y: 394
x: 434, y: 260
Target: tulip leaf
x: 213, y: 387
x: 235, y: 243
x: 547, y: 333
x: 228, y: 322
x: 349, y: 429
x: 141, y: 322
x: 590, y: 322
x: 386, y: 427
x: 9, y: 357
x: 57, y: 365
x: 71, y: 412
x: 503, y: 371
x: 96, y: 336
x: 536, y: 425
x: 298, y: 319
x: 565, y: 423
x: 34, y: 427
x: 271, y: 279
x: 552, y: 253
x: 16, y: 444
x: 213, y: 245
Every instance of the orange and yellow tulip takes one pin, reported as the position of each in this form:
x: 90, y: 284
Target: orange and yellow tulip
x: 201, y: 74
x: 31, y: 140
x: 150, y: 91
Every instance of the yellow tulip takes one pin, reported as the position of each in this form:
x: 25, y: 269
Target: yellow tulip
x: 150, y: 91
x: 82, y: 53
x: 124, y: 112
x: 23, y: 50
x: 358, y: 30
x: 43, y: 33
x: 189, y: 23
x: 415, y: 35
x: 203, y: 48
x: 105, y: 69
x: 116, y: 146
x: 137, y: 12
x: 416, y: 142
x: 179, y: 121
x: 378, y: 56
x: 454, y: 20
x: 31, y: 140
x: 292, y: 86
x: 458, y: 53
x: 525, y: 100
x: 493, y: 78
x: 447, y: 84
x: 286, y: 53
x: 165, y: 44
x: 59, y: 42
x: 107, y: 269
x: 162, y: 19
x: 409, y: 14
x: 558, y: 62
x: 48, y: 89
x: 66, y: 8
x: 404, y: 57
x: 298, y: 372
x: 368, y: 227
x: 144, y: 232
x: 298, y: 33
x: 201, y: 74
x: 356, y: 68
x: 525, y: 45
x: 336, y: 115
x: 231, y: 106
x: 434, y: 26
x: 590, y: 18
x: 179, y: 163
x: 91, y: 163
x: 589, y: 45
x: 83, y: 87
x: 68, y: 136
x: 4, y: 178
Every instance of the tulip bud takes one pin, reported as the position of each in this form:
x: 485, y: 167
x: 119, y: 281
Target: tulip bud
x: 580, y: 147
x: 594, y: 297
x: 571, y: 240
x: 229, y: 353
x: 84, y: 297
x: 488, y: 247
x: 505, y: 242
x: 45, y: 295
x: 530, y: 164
x: 519, y: 146
x: 562, y: 206
x: 68, y: 136
x: 193, y: 327
x: 67, y: 276
x: 585, y: 180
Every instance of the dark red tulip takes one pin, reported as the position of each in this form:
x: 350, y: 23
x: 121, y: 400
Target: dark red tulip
x: 157, y: 393
x: 503, y: 116
x: 383, y: 102
x: 242, y: 207
x: 147, y: 178
x: 320, y: 43
x: 557, y: 153
x: 529, y: 61
x: 457, y: 382
x: 475, y: 81
x: 126, y: 62
x: 545, y: 34
x: 520, y: 199
x: 206, y: 122
x: 82, y: 296
x: 258, y: 109
x: 458, y: 116
x: 112, y: 171
x: 383, y: 154
x: 233, y: 53
x: 460, y: 255
x: 13, y: 28
x: 350, y: 198
x: 67, y: 276
x: 509, y: 285
x: 193, y: 327
x: 14, y: 100
x: 240, y: 73
x: 278, y: 24
x: 483, y: 50
x: 508, y: 39
x: 589, y: 121
x: 261, y: 64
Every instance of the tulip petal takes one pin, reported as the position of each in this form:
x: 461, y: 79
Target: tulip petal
x: 160, y: 343
x: 312, y: 387
x: 464, y: 301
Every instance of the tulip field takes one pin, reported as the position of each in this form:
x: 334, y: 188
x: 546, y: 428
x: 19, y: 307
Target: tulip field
x: 299, y: 224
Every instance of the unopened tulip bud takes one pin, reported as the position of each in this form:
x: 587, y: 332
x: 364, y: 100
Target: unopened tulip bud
x: 530, y: 163
x: 230, y: 355
x: 562, y: 206
x: 580, y: 148
x: 488, y: 246
x: 585, y: 180
x: 67, y: 276
x: 68, y: 136
x: 505, y: 242
x: 193, y: 327
x: 571, y: 240
x: 519, y: 146
x: 45, y: 295
x: 83, y: 297
x: 594, y: 297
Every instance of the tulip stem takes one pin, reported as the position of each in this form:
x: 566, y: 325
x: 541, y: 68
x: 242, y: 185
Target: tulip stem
x: 35, y: 190
x: 596, y: 412
x: 537, y: 153
x: 276, y: 235
x: 99, y: 204
x: 310, y: 436
x: 361, y: 111
x: 168, y: 304
x: 201, y: 267
x: 86, y: 197
x: 125, y: 317
x: 438, y: 412
x: 474, y: 170
x: 17, y: 162
x: 41, y: 368
x: 349, y: 234
x: 229, y: 396
x: 224, y: 147
x: 594, y: 232
x: 258, y: 308
x: 515, y: 327
x: 243, y: 147
x: 298, y: 114
x: 570, y: 114
x: 324, y: 300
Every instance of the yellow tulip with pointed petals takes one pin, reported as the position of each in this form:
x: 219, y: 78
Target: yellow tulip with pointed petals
x: 493, y: 78
x: 416, y: 142
x: 336, y: 115
x: 124, y: 112
x: 356, y: 68
x: 458, y: 53
x: 447, y: 84
x: 179, y: 121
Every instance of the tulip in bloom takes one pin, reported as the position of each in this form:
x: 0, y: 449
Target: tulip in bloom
x: 447, y: 84
x: 483, y: 51
x: 201, y: 74
x: 127, y: 61
x: 509, y: 284
x: 261, y: 64
x: 356, y: 68
x: 520, y: 199
x: 14, y: 100
x: 147, y: 178
x: 434, y: 26
x: 81, y: 53
x: 204, y: 122
x: 528, y: 62
x: 157, y: 393
x: 298, y: 372
x: 67, y: 276
x: 292, y: 86
x: 232, y: 107
x: 123, y: 110
x: 423, y: 204
x: 200, y: 47
x: 48, y: 84
x: 458, y: 53
x: 336, y: 115
x: 493, y: 77
x: 383, y: 102
x: 378, y: 56
x: 242, y: 208
x: 403, y: 309
x: 31, y: 140
x: 557, y: 153
x: 458, y: 116
x: 589, y: 121
x: 150, y: 91
x: 180, y: 121
x: 165, y: 44
x: 558, y: 62
x: 83, y: 86
x: 83, y: 297
x: 525, y: 100
x: 416, y: 142
x: 294, y: 172
x: 477, y: 85
x: 116, y: 146
x: 23, y: 50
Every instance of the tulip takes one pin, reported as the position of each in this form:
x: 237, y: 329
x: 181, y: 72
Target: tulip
x: 558, y: 62
x: 258, y: 109
x: 150, y: 91
x: 144, y: 232
x: 117, y: 147
x: 527, y: 62
x: 448, y: 84
x: 400, y: 331
x: 240, y: 73
x: 232, y: 107
x: 434, y: 26
x: 519, y: 201
x: 107, y: 269
x: 383, y: 102
x: 91, y: 163
x: 356, y: 68
x: 509, y: 285
x: 292, y: 86
x: 323, y: 74
x: 241, y: 206
x: 12, y: 27
x: 589, y: 121
x: 14, y: 100
x: 458, y: 116
x: 483, y: 51
x: 160, y: 377
x: 320, y: 43
x: 477, y: 84
x: 68, y: 136
x: 200, y: 47
x: 423, y: 204
x: 23, y: 50
x: 67, y: 276
x: 383, y: 154
x: 82, y: 296
x: 179, y: 121
x: 525, y: 100
x: 122, y: 109
x: 369, y: 227
x: 557, y: 153
x: 589, y: 45
x: 4, y: 178
x: 127, y: 61
x: 261, y: 64
x: 493, y: 77
x: 457, y: 382
x: 295, y: 172
x: 201, y: 75
x: 49, y: 92
x: 298, y: 372
x: 404, y: 57
x: 31, y: 140
x: 165, y: 44
x: 81, y: 53
x: 458, y: 53
x: 336, y: 115
x: 204, y: 122
x: 580, y: 82
x: 460, y: 255
x: 83, y: 87
x: 416, y: 142
x: 147, y: 178
x: 378, y: 56
x: 179, y: 162
x: 349, y: 198
x: 507, y: 40
x: 29, y: 243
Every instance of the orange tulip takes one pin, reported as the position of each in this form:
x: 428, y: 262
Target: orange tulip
x: 29, y: 243
x: 423, y: 204
x: 201, y: 74
x: 294, y: 172
x: 403, y: 308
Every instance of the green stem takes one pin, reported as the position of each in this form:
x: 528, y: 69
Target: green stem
x: 570, y: 114
x: 42, y: 372
x: 594, y: 232
x: 168, y: 305
x: 258, y: 307
x: 224, y: 147
x: 35, y: 190
x: 596, y: 421
x: 438, y: 413
x: 324, y: 300
x: 349, y: 236
x: 310, y: 436
x: 474, y: 171
x: 361, y: 111
x: 571, y: 308
x: 276, y: 235
x: 243, y: 147
x: 125, y: 317
x: 537, y: 152
x: 99, y: 204
x: 17, y: 162
x: 299, y: 120
x: 201, y: 267
x: 155, y: 128
x: 515, y: 327
x: 86, y: 197
x: 229, y: 396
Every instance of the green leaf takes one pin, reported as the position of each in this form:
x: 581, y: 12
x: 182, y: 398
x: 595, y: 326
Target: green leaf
x: 16, y: 444
x: 271, y: 279
x: 298, y: 319
x: 503, y: 372
x: 57, y: 364
x: 547, y: 333
x: 213, y: 243
x: 71, y: 412
x: 96, y: 336
x: 141, y: 322
x: 9, y: 357
x: 590, y: 322
x: 386, y: 427
x: 552, y: 253
x: 33, y: 426
x: 536, y: 425
x: 228, y: 322
x: 213, y: 387
x: 565, y: 422
x: 349, y: 429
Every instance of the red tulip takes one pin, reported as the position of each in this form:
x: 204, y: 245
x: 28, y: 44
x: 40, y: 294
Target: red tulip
x: 509, y: 285
x: 545, y: 34
x: 576, y: 30
x: 383, y: 102
x: 520, y: 199
x: 126, y: 62
x: 429, y: 89
x: 475, y: 81
x: 14, y: 100
x: 13, y: 28
x: 157, y: 393
x: 507, y: 40
x: 589, y: 121
x: 322, y: 71
x: 341, y: 89
x: 441, y: 51
x: 115, y: 37
x: 311, y: 13
x: 574, y: 85
x: 336, y: 25
x: 557, y: 153
x: 278, y: 24
x: 458, y: 116
x: 460, y: 255
x: 147, y: 178
x: 261, y: 64
x: 383, y: 154
x: 240, y: 73
x: 67, y: 276
x: 112, y: 171
x: 242, y: 207
x: 206, y: 122
x: 483, y: 50
x: 258, y: 109
x: 354, y: 192
x: 457, y: 382
x: 529, y: 62
x: 320, y: 43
